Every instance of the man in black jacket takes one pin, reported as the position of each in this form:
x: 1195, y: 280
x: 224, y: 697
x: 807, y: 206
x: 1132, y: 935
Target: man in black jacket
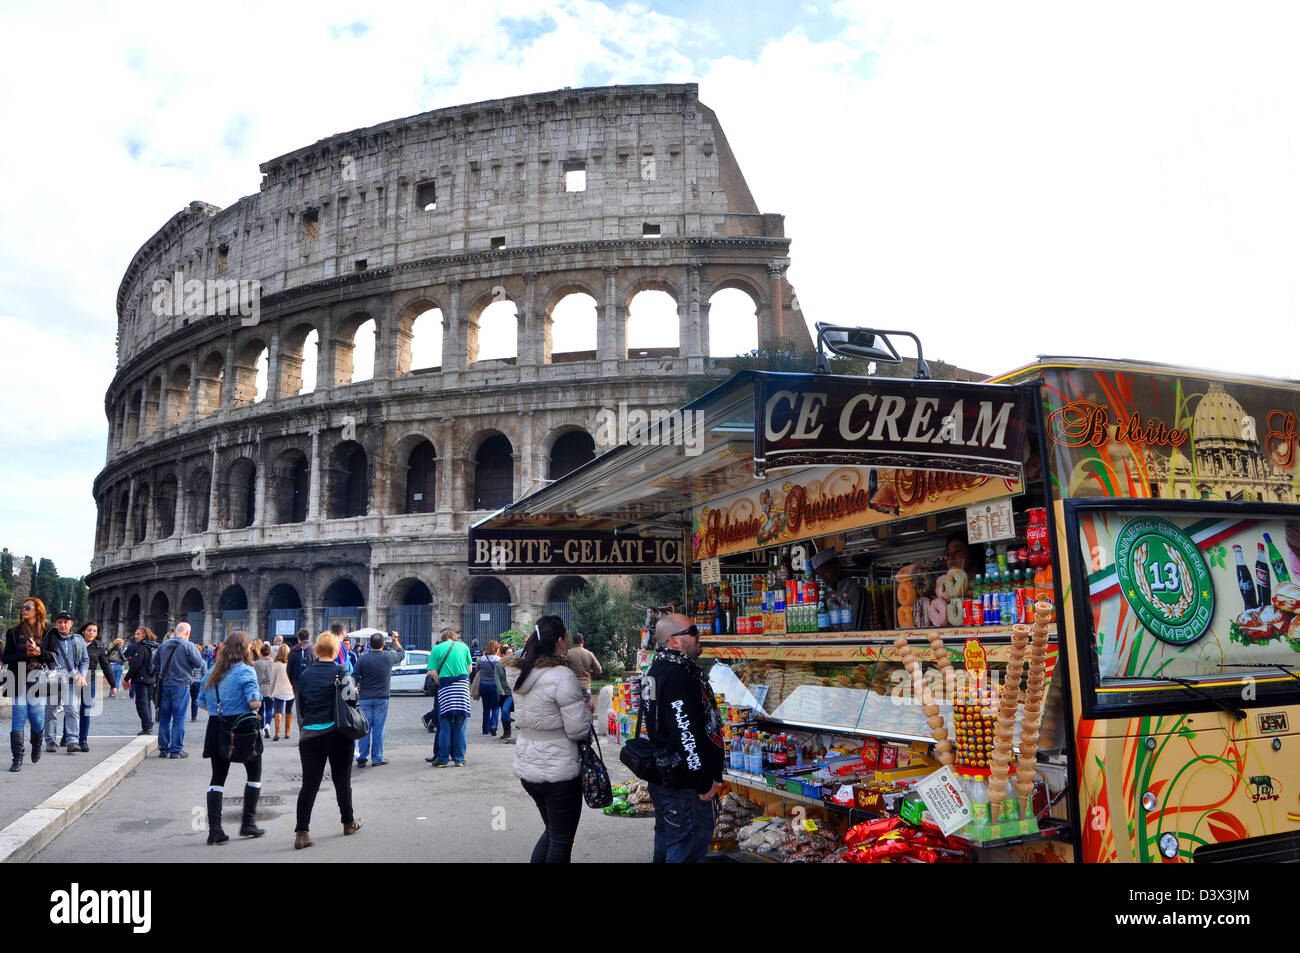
x: 684, y: 726
x: 300, y: 656
x: 139, y: 658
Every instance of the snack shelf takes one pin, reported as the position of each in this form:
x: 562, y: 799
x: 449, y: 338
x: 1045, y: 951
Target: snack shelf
x: 981, y: 632
x: 884, y: 734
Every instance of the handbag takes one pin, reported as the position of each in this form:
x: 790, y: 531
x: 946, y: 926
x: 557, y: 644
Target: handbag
x: 596, y: 789
x: 430, y: 685
x: 474, y: 690
x: 348, y: 717
x: 638, y: 755
x: 241, y: 735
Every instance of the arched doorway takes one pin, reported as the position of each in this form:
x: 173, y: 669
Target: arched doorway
x: 233, y: 607
x: 411, y: 614
x: 284, y: 613
x: 343, y: 602
x: 494, y: 473
x: 558, y: 594
x: 487, y: 614
x: 160, y: 617
x: 192, y: 612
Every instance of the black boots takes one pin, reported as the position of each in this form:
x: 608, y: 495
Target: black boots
x: 16, y: 746
x: 37, y: 738
x: 215, y: 834
x: 505, y: 730
x: 247, y: 828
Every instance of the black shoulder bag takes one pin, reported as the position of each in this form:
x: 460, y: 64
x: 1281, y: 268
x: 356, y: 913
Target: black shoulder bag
x: 348, y: 717
x: 241, y: 735
x: 638, y: 755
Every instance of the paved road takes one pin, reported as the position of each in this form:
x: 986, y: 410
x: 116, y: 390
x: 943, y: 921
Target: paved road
x: 411, y: 812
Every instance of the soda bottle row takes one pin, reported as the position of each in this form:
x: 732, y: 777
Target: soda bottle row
x: 1257, y: 593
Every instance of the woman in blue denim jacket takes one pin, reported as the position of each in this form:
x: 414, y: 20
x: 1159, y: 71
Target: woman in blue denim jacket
x: 231, y: 689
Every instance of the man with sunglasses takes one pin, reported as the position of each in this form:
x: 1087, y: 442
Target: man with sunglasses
x: 684, y: 726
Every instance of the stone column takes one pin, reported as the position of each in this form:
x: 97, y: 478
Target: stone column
x: 314, y: 481
x: 181, y: 507
x: 691, y: 341
x: 454, y: 359
x: 228, y: 388
x: 273, y: 367
x: 194, y: 387
x: 259, y: 491
x: 776, y: 328
x: 607, y: 335
x: 140, y: 412
x: 705, y: 343
x: 128, y: 538
x: 163, y: 402
x: 526, y: 475
x: 214, y: 518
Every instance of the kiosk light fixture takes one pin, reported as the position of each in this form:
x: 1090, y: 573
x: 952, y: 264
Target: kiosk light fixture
x: 867, y: 343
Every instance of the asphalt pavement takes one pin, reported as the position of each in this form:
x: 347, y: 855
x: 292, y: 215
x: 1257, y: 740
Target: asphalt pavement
x: 410, y: 811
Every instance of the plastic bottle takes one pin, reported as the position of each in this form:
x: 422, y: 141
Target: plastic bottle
x: 979, y: 800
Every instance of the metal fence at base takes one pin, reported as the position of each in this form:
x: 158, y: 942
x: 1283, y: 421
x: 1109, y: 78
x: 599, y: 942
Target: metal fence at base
x: 484, y: 621
x: 413, y: 624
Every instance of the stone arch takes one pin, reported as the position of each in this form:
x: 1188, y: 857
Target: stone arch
x: 490, y: 596
x: 122, y: 518
x: 178, y: 394
x: 410, y: 591
x: 494, y: 471
x: 415, y: 475
x: 233, y: 598
x: 299, y: 359
x: 572, y: 328
x: 159, y: 618
x: 192, y: 611
x: 348, y: 484
x: 289, y: 487
x: 419, y: 334
x: 165, y: 506
x: 732, y: 326
x: 284, y: 608
x: 251, y: 363
x: 212, y: 376
x: 343, y: 344
x: 143, y: 512
x: 198, y: 497
x: 649, y: 313
x: 494, y: 321
x: 237, y: 494
x: 134, y: 617
x: 152, y: 401
x: 132, y: 415
x: 568, y: 448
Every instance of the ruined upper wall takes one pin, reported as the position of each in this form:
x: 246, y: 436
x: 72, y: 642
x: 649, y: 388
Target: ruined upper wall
x: 652, y: 155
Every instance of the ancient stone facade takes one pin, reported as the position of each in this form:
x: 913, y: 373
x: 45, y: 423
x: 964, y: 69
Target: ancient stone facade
x: 226, y: 507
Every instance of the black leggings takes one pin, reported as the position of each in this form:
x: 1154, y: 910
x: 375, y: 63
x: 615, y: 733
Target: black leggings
x: 221, y: 768
x: 560, y: 804
x: 314, y: 752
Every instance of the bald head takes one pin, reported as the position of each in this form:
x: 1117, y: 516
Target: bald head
x: 669, y: 625
x: 183, y: 630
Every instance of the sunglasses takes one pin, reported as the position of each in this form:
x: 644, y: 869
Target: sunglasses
x: 693, y: 631
x: 29, y: 608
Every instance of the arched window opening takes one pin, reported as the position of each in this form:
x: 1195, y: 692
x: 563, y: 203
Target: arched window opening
x: 239, y: 494
x: 426, y: 342
x: 290, y: 488
x: 733, y: 323
x: 250, y: 376
x: 421, y: 479
x: 178, y: 395
x: 494, y: 473
x: 143, y: 511
x: 349, y: 481
x: 363, y: 353
x: 192, y: 612
x: 198, y: 496
x: 160, y: 614
x: 652, y: 325
x: 497, y: 338
x: 569, y: 452
x: 211, y: 379
x: 573, y: 329
x: 166, y: 507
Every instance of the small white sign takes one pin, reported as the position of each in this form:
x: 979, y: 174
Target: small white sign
x: 285, y: 627
x: 711, y: 570
x: 946, y: 801
x: 986, y: 522
x: 485, y: 616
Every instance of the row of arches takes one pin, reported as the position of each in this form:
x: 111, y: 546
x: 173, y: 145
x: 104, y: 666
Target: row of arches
x: 146, y: 509
x: 261, y: 365
x: 410, y: 608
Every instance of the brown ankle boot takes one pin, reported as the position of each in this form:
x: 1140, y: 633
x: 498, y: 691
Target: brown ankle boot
x: 301, y: 839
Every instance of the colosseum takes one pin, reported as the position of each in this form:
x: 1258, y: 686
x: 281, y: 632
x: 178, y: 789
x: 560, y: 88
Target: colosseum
x: 268, y: 501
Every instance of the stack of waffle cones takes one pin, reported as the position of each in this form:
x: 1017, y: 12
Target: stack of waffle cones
x: 943, y: 747
x: 1004, y: 728
x: 1035, y: 691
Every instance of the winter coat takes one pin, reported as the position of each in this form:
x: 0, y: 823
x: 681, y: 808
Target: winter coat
x: 551, y: 717
x: 15, y: 653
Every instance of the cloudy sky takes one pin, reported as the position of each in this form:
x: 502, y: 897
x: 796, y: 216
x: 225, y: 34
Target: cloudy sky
x: 1006, y: 179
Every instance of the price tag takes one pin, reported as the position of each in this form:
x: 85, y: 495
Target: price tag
x: 946, y: 801
x: 711, y: 570
x: 987, y: 522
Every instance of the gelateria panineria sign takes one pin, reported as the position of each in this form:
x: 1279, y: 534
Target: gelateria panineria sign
x: 803, y: 419
x: 824, y: 500
x: 496, y: 551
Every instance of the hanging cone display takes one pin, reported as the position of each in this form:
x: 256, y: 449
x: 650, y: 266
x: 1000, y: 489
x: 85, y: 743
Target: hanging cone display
x: 1035, y: 696
x: 933, y: 716
x: 1006, y: 723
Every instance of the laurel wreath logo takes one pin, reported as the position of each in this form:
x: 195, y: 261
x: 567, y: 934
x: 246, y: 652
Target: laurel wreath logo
x: 1178, y: 611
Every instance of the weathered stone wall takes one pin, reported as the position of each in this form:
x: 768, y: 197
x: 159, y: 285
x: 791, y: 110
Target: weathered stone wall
x: 192, y: 500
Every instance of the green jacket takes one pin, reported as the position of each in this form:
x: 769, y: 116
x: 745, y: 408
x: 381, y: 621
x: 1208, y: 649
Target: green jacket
x: 458, y: 664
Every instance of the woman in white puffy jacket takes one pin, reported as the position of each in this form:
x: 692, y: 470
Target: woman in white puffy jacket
x: 552, y: 717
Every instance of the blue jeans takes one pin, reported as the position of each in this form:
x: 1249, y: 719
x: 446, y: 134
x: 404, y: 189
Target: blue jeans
x: 376, y: 712
x: 683, y: 825
x: 491, y: 707
x: 507, y: 707
x: 451, y: 735
x: 84, y: 735
x: 116, y: 668
x: 172, y: 709
x: 32, y: 713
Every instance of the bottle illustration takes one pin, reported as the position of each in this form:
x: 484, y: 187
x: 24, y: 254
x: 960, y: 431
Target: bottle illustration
x: 1262, y: 577
x: 1244, y: 582
x: 1279, y: 564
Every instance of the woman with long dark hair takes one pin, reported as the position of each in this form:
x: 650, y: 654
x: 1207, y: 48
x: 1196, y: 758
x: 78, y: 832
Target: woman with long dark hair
x: 98, y: 653
x: 230, y: 690
x: 551, y: 715
x: 29, y: 655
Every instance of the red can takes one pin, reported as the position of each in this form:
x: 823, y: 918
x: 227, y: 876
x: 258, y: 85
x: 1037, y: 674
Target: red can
x: 977, y: 613
x: 968, y: 611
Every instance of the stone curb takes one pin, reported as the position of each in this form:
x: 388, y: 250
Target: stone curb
x: 25, y: 837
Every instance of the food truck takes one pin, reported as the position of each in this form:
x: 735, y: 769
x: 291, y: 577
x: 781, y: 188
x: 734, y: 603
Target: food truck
x: 1054, y: 614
